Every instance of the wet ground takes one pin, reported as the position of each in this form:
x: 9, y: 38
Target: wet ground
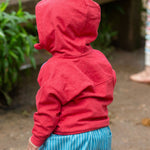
x: 131, y: 105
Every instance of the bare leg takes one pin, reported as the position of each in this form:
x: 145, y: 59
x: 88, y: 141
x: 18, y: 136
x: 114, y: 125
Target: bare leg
x: 143, y: 77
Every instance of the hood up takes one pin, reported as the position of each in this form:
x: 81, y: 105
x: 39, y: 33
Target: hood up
x: 67, y: 27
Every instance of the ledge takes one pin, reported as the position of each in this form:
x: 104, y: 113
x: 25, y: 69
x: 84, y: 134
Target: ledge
x: 14, y: 2
x: 104, y: 1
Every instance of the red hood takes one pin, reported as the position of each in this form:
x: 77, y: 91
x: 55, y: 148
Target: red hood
x: 67, y: 27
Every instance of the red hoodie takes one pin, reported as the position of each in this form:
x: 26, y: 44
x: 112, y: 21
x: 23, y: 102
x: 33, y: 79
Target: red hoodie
x: 77, y: 83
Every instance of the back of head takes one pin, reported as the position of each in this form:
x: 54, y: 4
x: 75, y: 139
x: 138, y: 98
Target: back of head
x: 67, y: 26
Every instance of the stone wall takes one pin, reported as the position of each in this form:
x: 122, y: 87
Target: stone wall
x: 12, y: 2
x: 28, y: 5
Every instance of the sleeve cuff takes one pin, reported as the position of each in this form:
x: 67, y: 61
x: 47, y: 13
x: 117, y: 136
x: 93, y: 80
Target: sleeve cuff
x: 36, y: 141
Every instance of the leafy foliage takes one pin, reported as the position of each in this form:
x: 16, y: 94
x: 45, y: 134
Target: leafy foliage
x: 104, y: 39
x: 15, y: 44
x: 106, y: 31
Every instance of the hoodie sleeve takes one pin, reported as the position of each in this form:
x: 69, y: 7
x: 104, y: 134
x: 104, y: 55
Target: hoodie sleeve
x: 47, y: 115
x: 59, y: 84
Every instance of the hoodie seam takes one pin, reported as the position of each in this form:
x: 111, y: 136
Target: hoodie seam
x: 72, y: 57
x: 103, y: 82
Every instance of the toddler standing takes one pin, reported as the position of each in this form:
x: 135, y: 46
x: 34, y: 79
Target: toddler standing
x: 76, y: 84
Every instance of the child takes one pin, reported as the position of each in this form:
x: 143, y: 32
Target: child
x: 76, y: 84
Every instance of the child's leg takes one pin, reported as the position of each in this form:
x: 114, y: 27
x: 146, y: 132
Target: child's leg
x: 144, y: 76
x: 94, y: 140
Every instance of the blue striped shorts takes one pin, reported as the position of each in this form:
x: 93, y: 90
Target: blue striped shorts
x: 93, y: 140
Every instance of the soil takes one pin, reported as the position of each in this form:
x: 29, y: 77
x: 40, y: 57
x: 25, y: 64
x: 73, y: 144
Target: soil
x: 130, y: 106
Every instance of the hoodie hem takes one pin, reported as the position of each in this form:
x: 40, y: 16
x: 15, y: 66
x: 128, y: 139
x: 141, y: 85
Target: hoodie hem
x: 81, y: 131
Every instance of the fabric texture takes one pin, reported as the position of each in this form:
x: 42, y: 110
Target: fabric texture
x: 147, y: 37
x: 94, y: 140
x: 77, y: 83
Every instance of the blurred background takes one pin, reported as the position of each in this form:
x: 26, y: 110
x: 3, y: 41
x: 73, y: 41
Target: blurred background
x: 121, y: 38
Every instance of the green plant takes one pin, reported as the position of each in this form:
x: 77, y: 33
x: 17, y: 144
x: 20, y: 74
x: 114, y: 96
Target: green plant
x: 104, y: 39
x: 106, y: 32
x: 15, y: 44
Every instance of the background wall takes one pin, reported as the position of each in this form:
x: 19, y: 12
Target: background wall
x: 28, y: 5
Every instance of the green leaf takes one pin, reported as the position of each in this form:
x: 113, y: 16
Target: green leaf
x: 29, y: 16
x: 7, y: 97
x: 13, y: 55
x: 20, y: 6
x: 21, y: 54
x: 4, y: 5
x: 10, y: 32
x: 2, y: 35
x: 20, y: 13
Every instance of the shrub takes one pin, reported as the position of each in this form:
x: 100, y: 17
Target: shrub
x: 105, y: 39
x: 107, y: 33
x: 15, y: 44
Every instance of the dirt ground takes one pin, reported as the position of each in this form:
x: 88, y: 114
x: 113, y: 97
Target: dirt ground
x: 131, y: 104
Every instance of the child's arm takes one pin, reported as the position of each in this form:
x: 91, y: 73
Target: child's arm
x: 31, y: 146
x: 47, y: 115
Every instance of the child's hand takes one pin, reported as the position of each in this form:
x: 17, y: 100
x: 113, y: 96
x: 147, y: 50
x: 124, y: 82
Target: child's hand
x: 31, y: 146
